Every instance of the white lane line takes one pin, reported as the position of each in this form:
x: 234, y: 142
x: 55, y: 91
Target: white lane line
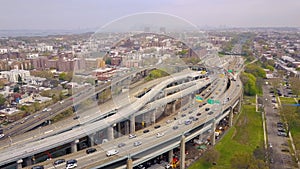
x: 46, y: 132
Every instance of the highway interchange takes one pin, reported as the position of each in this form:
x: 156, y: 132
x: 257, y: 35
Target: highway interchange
x: 123, y: 113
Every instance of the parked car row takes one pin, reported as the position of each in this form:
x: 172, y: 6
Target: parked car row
x: 281, y: 129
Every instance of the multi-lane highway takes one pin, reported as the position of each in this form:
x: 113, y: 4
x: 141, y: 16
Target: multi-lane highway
x: 149, y: 140
x: 137, y: 107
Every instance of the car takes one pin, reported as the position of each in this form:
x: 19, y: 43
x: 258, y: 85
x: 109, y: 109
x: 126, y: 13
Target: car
x: 175, y: 127
x: 282, y: 134
x: 132, y: 136
x: 146, y: 131
x: 179, y: 122
x: 168, y: 121
x: 195, y: 118
x: 71, y: 164
x: 190, y: 112
x: 183, y: 115
x: 59, y: 161
x: 141, y: 166
x: 159, y: 134
x: 37, y: 167
x: 156, y: 127
x: 280, y: 129
x: 279, y: 123
x: 187, y: 122
x: 191, y: 117
x: 1, y: 136
x: 90, y: 150
x: 45, y: 109
x: 137, y: 143
x: 198, y: 114
x: 112, y: 152
x: 61, y: 102
x: 121, y: 145
x: 207, y: 109
x: 210, y: 113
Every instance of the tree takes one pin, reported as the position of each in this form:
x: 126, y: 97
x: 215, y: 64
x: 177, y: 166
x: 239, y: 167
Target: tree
x: 275, y: 82
x: 66, y: 76
x: 255, y: 70
x: 2, y: 100
x: 295, y: 85
x: 249, y: 83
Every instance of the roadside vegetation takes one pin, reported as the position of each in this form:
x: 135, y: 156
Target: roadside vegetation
x: 252, y: 79
x: 242, y: 145
x: 155, y: 74
x: 291, y: 114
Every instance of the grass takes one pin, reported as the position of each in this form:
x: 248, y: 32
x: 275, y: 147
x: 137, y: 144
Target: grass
x: 287, y: 100
x: 244, y: 136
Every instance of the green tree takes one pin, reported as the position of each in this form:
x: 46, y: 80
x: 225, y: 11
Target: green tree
x: 249, y: 83
x: 66, y: 76
x: 2, y: 100
x: 295, y: 85
x: 157, y: 73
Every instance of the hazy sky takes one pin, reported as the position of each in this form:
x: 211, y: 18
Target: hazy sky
x: 81, y: 14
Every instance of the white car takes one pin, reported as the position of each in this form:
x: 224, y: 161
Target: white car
x: 1, y: 135
x: 73, y: 165
x: 159, y: 134
x: 132, y: 136
x: 137, y: 143
x: 112, y: 152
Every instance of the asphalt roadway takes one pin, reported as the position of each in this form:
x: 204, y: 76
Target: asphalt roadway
x: 278, y: 159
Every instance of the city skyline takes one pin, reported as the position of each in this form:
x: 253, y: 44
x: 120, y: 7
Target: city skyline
x: 92, y: 14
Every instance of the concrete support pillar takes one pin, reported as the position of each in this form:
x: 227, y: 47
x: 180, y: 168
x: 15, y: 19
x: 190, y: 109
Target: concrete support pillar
x: 173, y: 107
x: 126, y: 127
x: 19, y: 164
x: 92, y: 139
x: 29, y: 161
x: 110, y: 133
x: 171, y: 154
x: 129, y: 163
x: 74, y: 146
x: 231, y: 118
x: 132, y: 124
x: 119, y: 130
x: 213, y: 136
x: 182, y: 152
x: 191, y: 99
x: 153, y: 117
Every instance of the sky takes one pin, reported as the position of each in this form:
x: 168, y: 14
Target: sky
x: 87, y: 14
